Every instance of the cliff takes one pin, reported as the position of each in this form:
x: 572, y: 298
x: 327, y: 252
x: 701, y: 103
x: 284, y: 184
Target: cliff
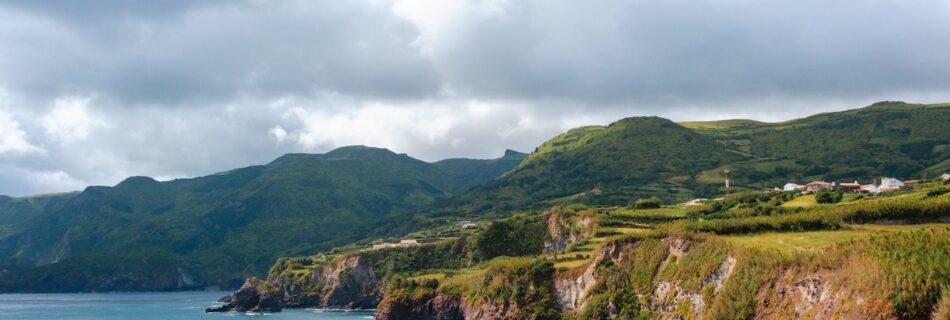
x: 699, y: 277
x: 345, y: 281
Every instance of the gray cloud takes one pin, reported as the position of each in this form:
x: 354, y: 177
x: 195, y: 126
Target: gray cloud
x: 93, y: 91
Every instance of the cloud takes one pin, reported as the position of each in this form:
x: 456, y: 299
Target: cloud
x: 69, y: 120
x: 279, y: 133
x: 100, y: 90
x: 13, y: 140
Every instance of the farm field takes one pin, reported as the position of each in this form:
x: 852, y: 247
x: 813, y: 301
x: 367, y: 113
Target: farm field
x: 816, y: 240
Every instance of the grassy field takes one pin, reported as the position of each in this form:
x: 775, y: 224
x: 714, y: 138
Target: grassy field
x: 668, y: 212
x: 814, y: 240
x: 807, y: 200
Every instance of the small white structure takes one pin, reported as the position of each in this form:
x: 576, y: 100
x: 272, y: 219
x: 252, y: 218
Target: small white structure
x: 945, y: 177
x: 888, y: 184
x: 401, y: 244
x: 465, y: 224
x: 869, y: 188
x: 791, y: 186
x: 695, y: 202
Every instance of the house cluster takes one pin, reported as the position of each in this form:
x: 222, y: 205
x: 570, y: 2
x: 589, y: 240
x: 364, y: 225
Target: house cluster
x: 400, y: 244
x: 886, y: 184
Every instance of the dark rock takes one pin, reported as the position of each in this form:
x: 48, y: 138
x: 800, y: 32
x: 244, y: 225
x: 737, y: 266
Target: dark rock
x: 438, y: 307
x: 252, y: 297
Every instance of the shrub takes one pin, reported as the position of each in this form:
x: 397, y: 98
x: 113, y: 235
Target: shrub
x: 520, y: 236
x: 937, y: 192
x: 648, y: 203
x: 827, y: 196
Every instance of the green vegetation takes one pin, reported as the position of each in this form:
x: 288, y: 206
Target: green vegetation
x: 790, y: 242
x: 825, y: 217
x: 514, y: 237
x: 827, y: 196
x: 884, y: 139
x: 222, y: 228
x: 735, y: 263
x: 802, y: 201
x: 648, y: 203
x: 629, y: 159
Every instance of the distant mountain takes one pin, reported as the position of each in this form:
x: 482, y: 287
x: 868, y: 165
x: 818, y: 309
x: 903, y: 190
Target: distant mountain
x: 469, y: 172
x: 147, y: 235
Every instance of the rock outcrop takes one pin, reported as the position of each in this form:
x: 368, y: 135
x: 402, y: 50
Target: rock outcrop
x: 349, y: 283
x: 565, y: 228
x: 251, y: 297
x: 428, y: 307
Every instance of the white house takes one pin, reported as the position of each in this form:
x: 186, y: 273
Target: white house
x: 869, y: 188
x: 945, y: 177
x: 888, y: 184
x: 791, y: 186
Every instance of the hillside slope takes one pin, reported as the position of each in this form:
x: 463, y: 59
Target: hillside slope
x: 628, y: 159
x: 893, y: 139
x: 217, y: 229
x: 648, y: 156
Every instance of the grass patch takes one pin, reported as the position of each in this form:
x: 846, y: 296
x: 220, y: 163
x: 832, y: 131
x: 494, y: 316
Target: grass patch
x: 815, y: 240
x: 803, y: 201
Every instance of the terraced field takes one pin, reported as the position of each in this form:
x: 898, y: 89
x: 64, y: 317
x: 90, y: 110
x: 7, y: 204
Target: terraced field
x: 816, y: 240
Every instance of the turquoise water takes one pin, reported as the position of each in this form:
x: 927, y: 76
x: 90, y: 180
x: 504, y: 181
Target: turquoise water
x: 157, y: 306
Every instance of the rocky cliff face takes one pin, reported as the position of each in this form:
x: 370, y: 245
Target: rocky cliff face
x: 668, y: 278
x: 426, y: 307
x: 253, y: 296
x: 566, y: 227
x: 348, y: 283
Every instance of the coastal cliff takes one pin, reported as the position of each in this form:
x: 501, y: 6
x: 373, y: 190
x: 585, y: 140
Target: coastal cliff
x: 691, y: 277
x: 346, y: 281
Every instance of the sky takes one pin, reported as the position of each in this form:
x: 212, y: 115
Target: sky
x: 92, y: 92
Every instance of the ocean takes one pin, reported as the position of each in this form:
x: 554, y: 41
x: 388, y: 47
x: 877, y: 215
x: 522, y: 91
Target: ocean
x: 149, y: 305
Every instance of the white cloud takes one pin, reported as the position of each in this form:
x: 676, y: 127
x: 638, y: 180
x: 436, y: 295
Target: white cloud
x: 69, y: 120
x: 55, y: 180
x: 13, y: 140
x: 278, y: 133
x: 430, y: 130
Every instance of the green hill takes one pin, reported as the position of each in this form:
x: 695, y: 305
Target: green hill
x: 885, y: 139
x: 147, y: 235
x: 465, y: 172
x: 628, y: 159
x: 644, y: 157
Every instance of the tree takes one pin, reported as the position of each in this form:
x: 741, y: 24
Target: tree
x: 827, y: 196
x: 649, y: 203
